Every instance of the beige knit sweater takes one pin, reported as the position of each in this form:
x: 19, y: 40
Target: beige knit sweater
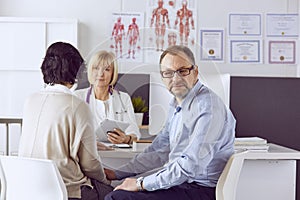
x: 58, y: 126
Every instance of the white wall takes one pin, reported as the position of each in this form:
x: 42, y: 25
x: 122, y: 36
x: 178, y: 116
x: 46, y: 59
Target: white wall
x: 94, y: 19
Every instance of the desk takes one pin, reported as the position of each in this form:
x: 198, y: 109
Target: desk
x: 269, y: 175
x: 117, y: 157
x: 265, y: 175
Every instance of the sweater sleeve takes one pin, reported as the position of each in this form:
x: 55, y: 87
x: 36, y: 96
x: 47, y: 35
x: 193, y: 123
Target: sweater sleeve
x: 89, y: 159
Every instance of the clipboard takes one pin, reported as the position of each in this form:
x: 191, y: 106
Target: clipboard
x: 109, y: 125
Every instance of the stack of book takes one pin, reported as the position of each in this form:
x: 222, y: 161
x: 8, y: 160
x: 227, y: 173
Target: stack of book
x: 251, y: 144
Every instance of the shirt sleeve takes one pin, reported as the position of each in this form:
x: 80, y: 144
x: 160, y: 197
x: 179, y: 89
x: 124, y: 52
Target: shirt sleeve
x: 153, y: 157
x: 204, y: 142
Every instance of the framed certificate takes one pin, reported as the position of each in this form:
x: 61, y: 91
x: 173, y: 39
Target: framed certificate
x: 282, y: 52
x: 245, y: 51
x: 282, y: 25
x: 244, y: 25
x: 211, y: 45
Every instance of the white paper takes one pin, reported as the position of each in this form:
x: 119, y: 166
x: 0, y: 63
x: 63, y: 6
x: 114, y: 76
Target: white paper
x: 245, y: 24
x: 282, y: 25
x: 212, y: 45
x: 108, y: 144
x: 245, y: 51
x: 282, y: 52
x: 250, y: 140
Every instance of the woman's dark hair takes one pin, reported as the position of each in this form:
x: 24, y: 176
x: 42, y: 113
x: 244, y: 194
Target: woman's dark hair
x: 61, y: 63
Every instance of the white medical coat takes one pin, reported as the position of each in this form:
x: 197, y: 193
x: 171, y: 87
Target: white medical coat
x: 120, y: 108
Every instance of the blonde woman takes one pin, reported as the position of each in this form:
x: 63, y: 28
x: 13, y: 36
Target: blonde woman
x: 107, y: 102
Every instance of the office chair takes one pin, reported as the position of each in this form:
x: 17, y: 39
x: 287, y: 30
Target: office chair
x: 219, y: 83
x: 30, y: 179
x: 228, y: 181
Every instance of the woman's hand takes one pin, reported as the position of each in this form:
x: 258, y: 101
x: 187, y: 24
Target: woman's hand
x: 110, y: 174
x: 117, y: 136
x: 103, y: 147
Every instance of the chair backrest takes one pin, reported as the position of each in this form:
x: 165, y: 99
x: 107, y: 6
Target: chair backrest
x: 227, y: 183
x: 29, y: 178
x: 219, y: 83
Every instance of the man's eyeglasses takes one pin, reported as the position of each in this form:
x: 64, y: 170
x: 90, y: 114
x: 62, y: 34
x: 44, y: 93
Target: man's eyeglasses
x: 181, y: 72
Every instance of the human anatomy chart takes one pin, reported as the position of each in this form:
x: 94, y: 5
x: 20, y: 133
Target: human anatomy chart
x: 126, y: 39
x: 169, y: 23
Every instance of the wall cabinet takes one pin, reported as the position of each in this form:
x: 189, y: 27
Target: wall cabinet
x: 23, y: 43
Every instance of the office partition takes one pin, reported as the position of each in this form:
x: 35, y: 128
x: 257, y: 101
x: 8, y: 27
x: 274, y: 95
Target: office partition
x: 268, y: 107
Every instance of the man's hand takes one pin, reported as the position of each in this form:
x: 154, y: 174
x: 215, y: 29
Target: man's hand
x: 110, y: 174
x: 128, y: 184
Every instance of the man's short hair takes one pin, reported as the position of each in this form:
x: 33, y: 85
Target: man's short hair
x: 179, y: 50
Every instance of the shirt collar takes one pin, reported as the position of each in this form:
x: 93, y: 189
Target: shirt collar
x: 188, y: 97
x: 58, y: 88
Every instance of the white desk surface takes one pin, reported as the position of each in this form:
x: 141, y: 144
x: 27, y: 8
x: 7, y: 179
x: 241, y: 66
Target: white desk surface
x: 266, y: 174
x: 118, y: 153
x: 275, y: 152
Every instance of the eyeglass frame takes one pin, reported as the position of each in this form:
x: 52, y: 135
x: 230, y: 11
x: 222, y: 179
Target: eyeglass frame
x: 178, y: 71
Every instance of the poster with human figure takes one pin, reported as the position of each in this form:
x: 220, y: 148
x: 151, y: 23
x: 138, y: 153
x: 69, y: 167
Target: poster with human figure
x: 184, y: 22
x: 117, y: 36
x: 133, y: 35
x: 126, y: 40
x: 160, y: 20
x: 169, y: 22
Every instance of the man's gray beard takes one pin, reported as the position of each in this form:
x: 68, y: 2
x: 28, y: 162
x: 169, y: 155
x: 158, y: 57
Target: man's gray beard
x: 180, y: 96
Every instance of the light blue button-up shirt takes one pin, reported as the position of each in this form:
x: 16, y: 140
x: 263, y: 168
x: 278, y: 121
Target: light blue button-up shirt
x: 194, y: 145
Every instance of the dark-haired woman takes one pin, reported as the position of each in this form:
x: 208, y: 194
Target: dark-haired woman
x: 58, y: 126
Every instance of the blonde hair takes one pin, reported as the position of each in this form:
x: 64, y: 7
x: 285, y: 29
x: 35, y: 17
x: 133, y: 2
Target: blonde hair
x: 103, y: 58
